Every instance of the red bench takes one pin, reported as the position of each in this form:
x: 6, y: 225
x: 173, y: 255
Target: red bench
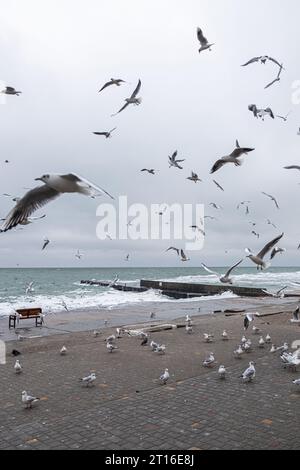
x: 25, y: 314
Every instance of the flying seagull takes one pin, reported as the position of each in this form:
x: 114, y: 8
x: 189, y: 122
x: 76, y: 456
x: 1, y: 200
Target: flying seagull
x: 112, y: 81
x: 277, y: 79
x: 292, y: 167
x: 10, y: 91
x: 218, y: 185
x: 272, y: 199
x: 78, y: 255
x: 133, y: 98
x: 224, y: 278
x: 232, y: 158
x: 203, y: 41
x: 284, y: 118
x: 278, y: 294
x: 262, y: 59
x: 151, y: 171
x: 277, y: 250
x: 54, y: 186
x: 175, y: 162
x: 106, y: 134
x: 46, y: 242
x: 258, y: 259
x: 261, y: 113
x: 194, y: 177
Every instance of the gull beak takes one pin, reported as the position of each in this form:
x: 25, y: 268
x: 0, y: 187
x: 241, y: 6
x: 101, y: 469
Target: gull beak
x: 38, y: 179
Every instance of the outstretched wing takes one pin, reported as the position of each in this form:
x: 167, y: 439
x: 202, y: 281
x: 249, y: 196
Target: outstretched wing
x: 292, y: 167
x: 138, y: 87
x: 33, y: 200
x: 201, y: 38
x: 105, y: 85
x: 269, y: 246
x: 239, y: 151
x: 100, y: 133
x: 275, y: 61
x: 86, y: 185
x: 233, y: 267
x: 251, y: 61
x: 217, y: 165
x: 123, y: 107
x: 209, y: 270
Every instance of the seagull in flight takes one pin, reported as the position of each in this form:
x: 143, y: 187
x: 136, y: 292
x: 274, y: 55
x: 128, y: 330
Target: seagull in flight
x: 54, y: 185
x: 284, y: 118
x: 215, y: 206
x: 10, y: 91
x: 277, y: 250
x: 132, y: 99
x: 261, y: 113
x: 277, y: 79
x: 232, y: 158
x: 151, y: 171
x: 173, y: 162
x: 78, y: 255
x: 46, y: 243
x: 218, y: 185
x: 224, y: 278
x: 272, y: 199
x: 106, y: 134
x: 203, y: 41
x: 112, y: 81
x: 194, y: 177
x: 262, y: 59
x: 278, y: 294
x: 258, y: 259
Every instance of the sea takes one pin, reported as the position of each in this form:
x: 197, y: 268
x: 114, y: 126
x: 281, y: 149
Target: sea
x: 59, y: 289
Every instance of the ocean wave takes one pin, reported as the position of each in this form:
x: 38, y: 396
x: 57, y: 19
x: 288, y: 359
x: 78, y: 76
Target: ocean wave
x: 109, y: 299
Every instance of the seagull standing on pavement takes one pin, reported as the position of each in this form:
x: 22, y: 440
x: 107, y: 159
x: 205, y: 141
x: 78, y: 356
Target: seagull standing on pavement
x: 249, y: 373
x: 18, y: 368
x: 164, y: 377
x: 222, y: 372
x: 28, y: 400
x: 89, y: 379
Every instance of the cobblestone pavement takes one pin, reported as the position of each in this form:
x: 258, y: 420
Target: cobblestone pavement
x: 129, y: 409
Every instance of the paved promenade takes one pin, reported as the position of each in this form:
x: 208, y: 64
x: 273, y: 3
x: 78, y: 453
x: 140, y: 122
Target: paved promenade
x: 128, y: 409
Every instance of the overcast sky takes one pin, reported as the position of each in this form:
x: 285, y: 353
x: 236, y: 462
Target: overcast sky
x: 59, y: 53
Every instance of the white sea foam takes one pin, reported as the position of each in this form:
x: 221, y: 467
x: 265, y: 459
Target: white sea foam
x: 84, y: 299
